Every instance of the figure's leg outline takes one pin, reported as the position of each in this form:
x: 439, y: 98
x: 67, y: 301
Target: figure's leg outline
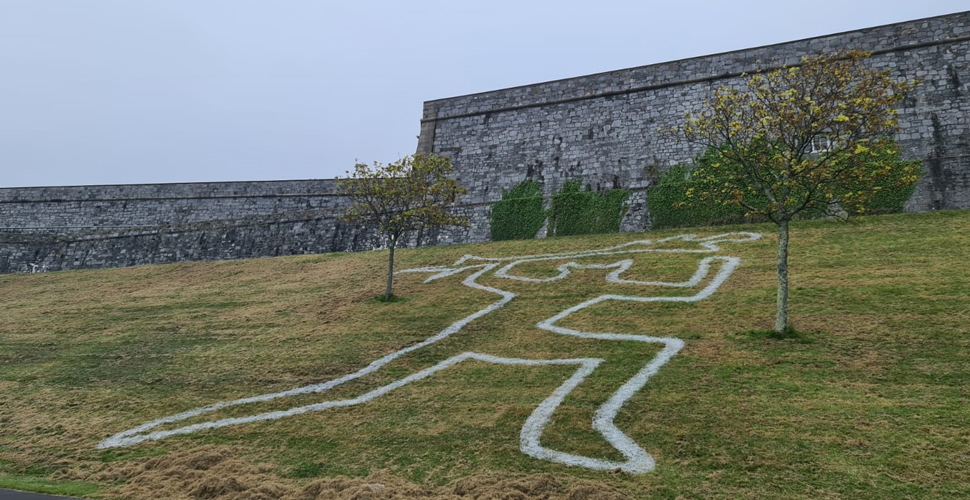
x: 587, y: 365
x: 138, y: 434
x: 638, y: 460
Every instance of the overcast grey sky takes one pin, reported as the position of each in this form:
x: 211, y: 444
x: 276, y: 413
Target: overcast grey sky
x: 138, y: 91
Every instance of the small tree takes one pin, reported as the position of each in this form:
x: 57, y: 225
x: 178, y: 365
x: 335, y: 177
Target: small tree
x: 800, y: 138
x: 407, y: 195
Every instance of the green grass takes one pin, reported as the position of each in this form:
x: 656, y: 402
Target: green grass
x: 43, y: 485
x: 866, y: 398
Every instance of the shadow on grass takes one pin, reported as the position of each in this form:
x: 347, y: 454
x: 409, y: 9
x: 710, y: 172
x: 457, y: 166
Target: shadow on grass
x: 392, y: 298
x: 789, y: 333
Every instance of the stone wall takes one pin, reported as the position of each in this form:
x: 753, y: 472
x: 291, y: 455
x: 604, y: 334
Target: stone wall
x: 218, y: 240
x: 603, y: 129
x: 91, y: 227
x: 65, y: 210
x: 80, y: 227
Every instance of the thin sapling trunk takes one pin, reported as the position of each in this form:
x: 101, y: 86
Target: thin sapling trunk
x: 390, y: 270
x: 781, y: 317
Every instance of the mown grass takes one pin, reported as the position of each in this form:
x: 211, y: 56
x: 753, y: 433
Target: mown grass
x: 868, y: 399
x: 43, y: 485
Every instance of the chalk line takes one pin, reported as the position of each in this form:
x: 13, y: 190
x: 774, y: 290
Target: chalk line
x: 637, y: 459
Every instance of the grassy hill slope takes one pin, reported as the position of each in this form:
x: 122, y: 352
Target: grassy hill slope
x: 871, y: 402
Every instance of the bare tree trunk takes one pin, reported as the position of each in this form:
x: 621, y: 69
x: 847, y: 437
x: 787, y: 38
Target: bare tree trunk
x: 390, y: 270
x: 781, y: 318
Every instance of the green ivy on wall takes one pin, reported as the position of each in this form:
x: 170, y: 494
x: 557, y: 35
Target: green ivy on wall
x: 575, y: 211
x: 670, y: 206
x: 891, y: 200
x: 519, y: 214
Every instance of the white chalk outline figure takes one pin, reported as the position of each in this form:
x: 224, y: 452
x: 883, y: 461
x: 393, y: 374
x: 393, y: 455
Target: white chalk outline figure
x: 637, y: 460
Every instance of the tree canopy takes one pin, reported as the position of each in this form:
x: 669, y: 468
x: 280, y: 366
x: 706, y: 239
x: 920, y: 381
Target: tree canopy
x: 802, y: 136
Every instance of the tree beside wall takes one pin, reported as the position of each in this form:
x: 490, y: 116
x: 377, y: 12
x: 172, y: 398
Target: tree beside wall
x: 408, y: 195
x: 796, y: 139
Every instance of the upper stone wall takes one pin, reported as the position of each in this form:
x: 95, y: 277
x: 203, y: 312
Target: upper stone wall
x: 605, y: 128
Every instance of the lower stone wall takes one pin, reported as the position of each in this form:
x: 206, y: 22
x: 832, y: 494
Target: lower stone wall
x: 83, y: 227
x: 945, y: 185
x: 223, y: 240
x: 311, y: 232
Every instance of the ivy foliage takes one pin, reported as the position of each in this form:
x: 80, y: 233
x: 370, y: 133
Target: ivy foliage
x: 895, y: 184
x: 670, y: 207
x: 575, y: 211
x: 519, y: 214
x: 674, y: 201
